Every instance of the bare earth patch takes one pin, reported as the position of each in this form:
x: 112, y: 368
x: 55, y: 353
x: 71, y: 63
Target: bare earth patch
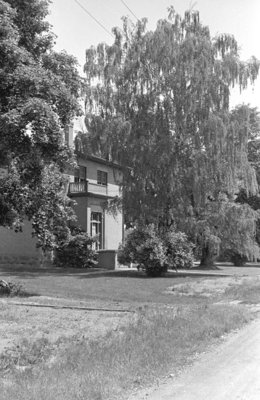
x: 208, y: 287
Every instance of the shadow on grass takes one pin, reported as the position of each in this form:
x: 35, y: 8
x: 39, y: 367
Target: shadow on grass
x: 30, y: 272
x: 247, y: 265
x: 141, y: 275
x: 34, y: 272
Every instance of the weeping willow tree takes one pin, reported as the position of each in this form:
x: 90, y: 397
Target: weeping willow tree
x: 158, y: 102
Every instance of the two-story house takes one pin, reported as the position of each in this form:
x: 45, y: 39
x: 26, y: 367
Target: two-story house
x: 93, y: 184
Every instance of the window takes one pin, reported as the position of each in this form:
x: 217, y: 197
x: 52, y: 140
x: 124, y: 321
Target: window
x: 80, y: 174
x: 102, y: 178
x: 97, y: 229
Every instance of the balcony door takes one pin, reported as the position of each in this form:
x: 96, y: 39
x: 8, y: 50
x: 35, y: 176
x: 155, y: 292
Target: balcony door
x: 80, y: 174
x: 96, y: 225
x: 80, y: 180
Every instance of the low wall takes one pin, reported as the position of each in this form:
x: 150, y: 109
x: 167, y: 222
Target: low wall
x: 8, y: 259
x: 18, y: 248
x: 107, y: 259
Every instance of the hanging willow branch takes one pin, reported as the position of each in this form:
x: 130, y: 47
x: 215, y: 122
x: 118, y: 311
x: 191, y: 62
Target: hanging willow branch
x: 171, y: 87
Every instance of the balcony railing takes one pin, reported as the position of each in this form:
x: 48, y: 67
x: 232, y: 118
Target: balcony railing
x: 78, y: 187
x: 87, y: 187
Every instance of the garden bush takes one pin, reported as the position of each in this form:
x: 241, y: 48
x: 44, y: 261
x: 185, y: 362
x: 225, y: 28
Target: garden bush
x: 127, y: 253
x: 11, y: 289
x: 179, y: 250
x: 232, y: 256
x: 77, y: 252
x: 238, y: 259
x: 151, y: 255
x: 144, y: 247
x: 154, y: 252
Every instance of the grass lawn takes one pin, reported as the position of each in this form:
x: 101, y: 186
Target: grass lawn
x: 120, y: 286
x: 174, y: 318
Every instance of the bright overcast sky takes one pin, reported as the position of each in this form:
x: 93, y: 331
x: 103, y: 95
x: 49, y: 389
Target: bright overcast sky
x: 77, y: 31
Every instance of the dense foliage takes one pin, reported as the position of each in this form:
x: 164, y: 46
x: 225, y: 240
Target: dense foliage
x: 156, y: 252
x: 76, y: 252
x: 179, y: 251
x: 144, y: 247
x: 38, y: 97
x: 158, y: 102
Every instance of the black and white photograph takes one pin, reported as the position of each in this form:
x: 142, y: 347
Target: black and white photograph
x: 129, y: 200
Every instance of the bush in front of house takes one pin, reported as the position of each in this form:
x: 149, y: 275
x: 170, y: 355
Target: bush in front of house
x: 179, y: 250
x: 127, y: 253
x: 145, y: 248
x: 76, y: 252
x: 151, y: 254
x: 156, y: 253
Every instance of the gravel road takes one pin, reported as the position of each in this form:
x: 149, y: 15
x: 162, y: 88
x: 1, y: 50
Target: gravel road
x: 231, y: 371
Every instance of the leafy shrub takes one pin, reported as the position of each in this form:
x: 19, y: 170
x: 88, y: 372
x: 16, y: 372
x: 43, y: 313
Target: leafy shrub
x: 156, y: 253
x: 127, y: 253
x: 144, y: 247
x: 76, y: 252
x: 11, y: 289
x: 237, y: 259
x: 151, y: 255
x: 179, y: 250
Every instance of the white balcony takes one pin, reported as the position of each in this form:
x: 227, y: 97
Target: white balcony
x: 87, y: 187
x: 97, y: 189
x: 78, y: 187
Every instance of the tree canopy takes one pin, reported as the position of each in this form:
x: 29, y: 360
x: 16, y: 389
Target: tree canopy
x: 158, y: 102
x: 38, y: 97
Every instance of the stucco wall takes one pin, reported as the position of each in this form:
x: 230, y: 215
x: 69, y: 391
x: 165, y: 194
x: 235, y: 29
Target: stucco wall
x: 113, y: 230
x: 107, y: 259
x: 17, y: 247
x: 81, y: 212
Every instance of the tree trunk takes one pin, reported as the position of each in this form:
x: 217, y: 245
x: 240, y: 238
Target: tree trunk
x: 207, y: 259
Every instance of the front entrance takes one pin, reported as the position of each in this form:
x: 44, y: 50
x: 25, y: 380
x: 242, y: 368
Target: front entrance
x: 96, y: 226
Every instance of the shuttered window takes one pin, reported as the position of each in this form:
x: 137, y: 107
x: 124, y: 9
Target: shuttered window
x: 80, y: 174
x: 102, y: 178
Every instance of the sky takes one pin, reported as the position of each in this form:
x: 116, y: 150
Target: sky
x: 76, y: 30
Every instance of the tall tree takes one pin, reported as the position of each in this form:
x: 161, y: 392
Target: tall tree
x: 159, y: 102
x: 38, y: 97
x: 253, y: 126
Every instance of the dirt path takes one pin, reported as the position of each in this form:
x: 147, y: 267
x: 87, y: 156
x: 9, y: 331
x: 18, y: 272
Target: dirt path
x: 231, y: 371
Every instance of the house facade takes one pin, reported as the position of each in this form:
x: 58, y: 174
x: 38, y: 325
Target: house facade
x: 93, y: 184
